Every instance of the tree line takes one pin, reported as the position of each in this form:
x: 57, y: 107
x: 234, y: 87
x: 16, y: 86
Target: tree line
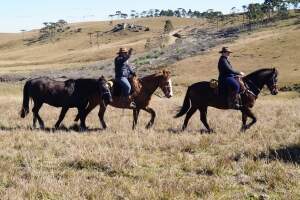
x: 253, y: 11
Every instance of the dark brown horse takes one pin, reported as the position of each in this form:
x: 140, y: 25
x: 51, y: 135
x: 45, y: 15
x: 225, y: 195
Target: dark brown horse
x: 66, y: 94
x: 200, y: 95
x: 145, y: 87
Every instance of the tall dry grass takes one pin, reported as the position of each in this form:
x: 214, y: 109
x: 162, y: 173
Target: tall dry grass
x: 161, y: 163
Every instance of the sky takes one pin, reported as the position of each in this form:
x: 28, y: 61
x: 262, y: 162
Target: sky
x: 16, y: 15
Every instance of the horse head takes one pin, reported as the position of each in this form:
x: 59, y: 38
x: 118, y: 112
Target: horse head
x: 256, y: 80
x: 165, y: 84
x: 272, y: 82
x: 104, y: 88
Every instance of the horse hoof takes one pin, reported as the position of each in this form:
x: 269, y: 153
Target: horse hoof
x: 243, y: 129
x: 83, y: 129
x: 148, y: 126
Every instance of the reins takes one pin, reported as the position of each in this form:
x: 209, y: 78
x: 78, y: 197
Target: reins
x: 247, y: 81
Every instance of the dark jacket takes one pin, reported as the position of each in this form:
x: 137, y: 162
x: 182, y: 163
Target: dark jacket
x: 122, y: 69
x: 225, y: 68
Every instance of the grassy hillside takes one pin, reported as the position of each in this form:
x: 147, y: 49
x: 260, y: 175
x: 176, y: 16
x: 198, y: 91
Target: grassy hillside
x: 72, y: 48
x: 270, y: 47
x: 161, y: 163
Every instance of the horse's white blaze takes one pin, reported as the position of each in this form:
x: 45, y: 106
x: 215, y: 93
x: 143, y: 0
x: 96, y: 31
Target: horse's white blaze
x: 171, y: 88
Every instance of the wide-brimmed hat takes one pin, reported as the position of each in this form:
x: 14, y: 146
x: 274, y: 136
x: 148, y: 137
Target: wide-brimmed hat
x: 122, y: 50
x: 224, y: 50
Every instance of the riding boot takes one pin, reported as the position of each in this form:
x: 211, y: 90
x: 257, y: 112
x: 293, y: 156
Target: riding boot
x: 233, y: 101
x: 132, y: 103
x: 125, y: 102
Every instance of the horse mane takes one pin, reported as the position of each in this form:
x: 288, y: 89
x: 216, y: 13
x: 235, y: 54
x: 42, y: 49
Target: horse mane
x: 151, y: 76
x: 259, y: 71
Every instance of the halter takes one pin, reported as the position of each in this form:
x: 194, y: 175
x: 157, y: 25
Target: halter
x: 248, y: 81
x: 167, y: 87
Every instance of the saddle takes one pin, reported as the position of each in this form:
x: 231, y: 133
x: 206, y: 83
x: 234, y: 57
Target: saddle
x: 116, y: 89
x: 247, y: 95
x: 214, y: 84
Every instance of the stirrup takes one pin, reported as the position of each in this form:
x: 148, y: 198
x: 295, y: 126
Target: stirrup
x: 132, y: 105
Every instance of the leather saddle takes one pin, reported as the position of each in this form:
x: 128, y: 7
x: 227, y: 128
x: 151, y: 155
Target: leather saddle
x: 247, y: 95
x: 116, y: 89
x: 214, y: 84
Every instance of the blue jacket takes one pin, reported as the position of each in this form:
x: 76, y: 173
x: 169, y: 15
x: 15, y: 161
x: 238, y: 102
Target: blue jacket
x: 122, y: 69
x: 225, y: 68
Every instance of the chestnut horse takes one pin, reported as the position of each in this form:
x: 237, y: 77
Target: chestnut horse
x: 200, y: 95
x: 144, y: 88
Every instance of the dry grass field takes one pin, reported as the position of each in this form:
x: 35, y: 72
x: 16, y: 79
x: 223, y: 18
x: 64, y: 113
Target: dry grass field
x: 163, y: 162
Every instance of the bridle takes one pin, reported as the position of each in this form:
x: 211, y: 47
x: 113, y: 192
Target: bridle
x: 250, y: 86
x: 273, y: 85
x: 166, y: 87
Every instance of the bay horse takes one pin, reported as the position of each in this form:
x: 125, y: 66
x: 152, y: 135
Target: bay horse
x: 200, y: 95
x: 144, y: 89
x: 66, y: 94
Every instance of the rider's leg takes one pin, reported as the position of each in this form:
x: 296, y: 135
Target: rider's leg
x: 233, y: 99
x: 126, y: 89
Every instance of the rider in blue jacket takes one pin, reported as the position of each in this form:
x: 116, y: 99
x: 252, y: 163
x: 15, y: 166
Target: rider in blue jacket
x: 229, y: 86
x: 123, y: 71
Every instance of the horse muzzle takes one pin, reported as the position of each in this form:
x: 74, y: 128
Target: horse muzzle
x: 169, y: 96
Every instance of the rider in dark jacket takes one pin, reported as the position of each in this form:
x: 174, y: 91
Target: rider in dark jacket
x: 229, y: 86
x: 122, y: 72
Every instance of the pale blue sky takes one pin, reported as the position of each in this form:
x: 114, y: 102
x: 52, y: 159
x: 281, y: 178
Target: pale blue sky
x: 30, y: 14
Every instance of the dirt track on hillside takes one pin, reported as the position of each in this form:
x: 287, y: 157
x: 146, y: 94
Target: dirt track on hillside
x: 192, y: 42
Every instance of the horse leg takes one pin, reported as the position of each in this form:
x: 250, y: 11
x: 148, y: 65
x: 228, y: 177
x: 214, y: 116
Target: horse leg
x: 82, y: 116
x: 136, y: 113
x: 250, y: 114
x: 90, y: 107
x: 63, y: 112
x: 203, y: 118
x: 244, y: 120
x: 101, y: 113
x: 188, y: 117
x: 37, y: 106
x: 153, y: 115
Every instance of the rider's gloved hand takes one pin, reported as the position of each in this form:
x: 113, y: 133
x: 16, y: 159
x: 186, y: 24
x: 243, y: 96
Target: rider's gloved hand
x: 242, y: 73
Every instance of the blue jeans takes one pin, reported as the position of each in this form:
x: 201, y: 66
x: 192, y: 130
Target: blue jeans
x: 232, y: 84
x: 228, y: 84
x: 125, y: 86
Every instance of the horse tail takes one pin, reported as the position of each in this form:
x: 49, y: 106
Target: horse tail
x: 25, y: 106
x: 186, y: 104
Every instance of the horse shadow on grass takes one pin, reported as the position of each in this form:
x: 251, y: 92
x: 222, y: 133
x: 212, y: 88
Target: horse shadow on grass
x: 62, y: 128
x: 288, y: 154
x: 180, y: 131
